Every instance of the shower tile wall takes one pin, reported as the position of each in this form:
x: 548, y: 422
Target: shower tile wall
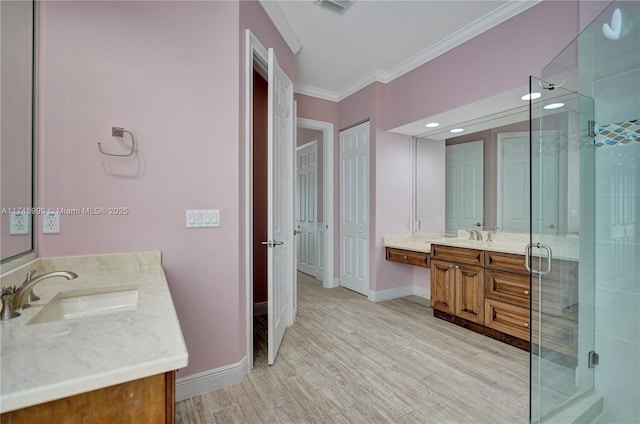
x: 616, y: 91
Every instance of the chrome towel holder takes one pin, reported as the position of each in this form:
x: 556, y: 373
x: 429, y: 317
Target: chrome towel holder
x: 119, y: 132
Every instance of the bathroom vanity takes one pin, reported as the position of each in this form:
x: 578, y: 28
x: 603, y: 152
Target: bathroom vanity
x: 485, y: 286
x: 101, y: 348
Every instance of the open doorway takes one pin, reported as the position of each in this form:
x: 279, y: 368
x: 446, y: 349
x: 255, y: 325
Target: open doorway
x: 314, y: 200
x: 259, y: 210
x: 269, y: 195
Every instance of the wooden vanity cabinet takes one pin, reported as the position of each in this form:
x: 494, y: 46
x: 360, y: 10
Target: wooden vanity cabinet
x: 408, y: 257
x: 507, y: 294
x: 146, y: 400
x: 501, y: 304
x: 457, y: 282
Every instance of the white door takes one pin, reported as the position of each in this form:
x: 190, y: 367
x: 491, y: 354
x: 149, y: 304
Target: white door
x: 547, y: 153
x: 354, y: 208
x: 464, y: 186
x: 306, y: 210
x: 280, y: 243
x: 513, y: 182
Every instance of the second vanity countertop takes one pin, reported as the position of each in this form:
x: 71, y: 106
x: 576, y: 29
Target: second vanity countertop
x: 566, y: 248
x: 53, y: 360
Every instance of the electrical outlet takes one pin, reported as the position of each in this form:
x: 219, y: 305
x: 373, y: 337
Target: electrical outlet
x: 51, y: 223
x: 19, y: 223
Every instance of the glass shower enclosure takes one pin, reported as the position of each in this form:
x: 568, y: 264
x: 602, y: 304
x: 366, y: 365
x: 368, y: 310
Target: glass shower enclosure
x: 584, y: 253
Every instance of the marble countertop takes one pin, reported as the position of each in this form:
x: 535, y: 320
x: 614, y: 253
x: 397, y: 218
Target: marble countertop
x: 53, y: 360
x: 566, y: 248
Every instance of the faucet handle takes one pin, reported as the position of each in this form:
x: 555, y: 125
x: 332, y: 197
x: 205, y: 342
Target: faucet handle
x: 30, y: 275
x: 7, y: 296
x: 32, y: 296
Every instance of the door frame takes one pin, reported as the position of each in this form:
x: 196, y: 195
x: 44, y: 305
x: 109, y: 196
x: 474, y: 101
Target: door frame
x: 327, y: 192
x: 256, y: 57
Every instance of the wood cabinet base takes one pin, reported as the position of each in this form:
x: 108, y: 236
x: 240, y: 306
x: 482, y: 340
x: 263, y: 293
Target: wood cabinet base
x: 147, y: 400
x: 481, y: 329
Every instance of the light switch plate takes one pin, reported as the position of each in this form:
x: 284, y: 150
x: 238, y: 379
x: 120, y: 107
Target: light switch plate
x: 202, y: 218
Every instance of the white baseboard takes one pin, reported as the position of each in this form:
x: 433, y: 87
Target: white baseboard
x: 421, y: 291
x: 207, y: 381
x: 260, y: 308
x: 336, y: 282
x: 382, y: 295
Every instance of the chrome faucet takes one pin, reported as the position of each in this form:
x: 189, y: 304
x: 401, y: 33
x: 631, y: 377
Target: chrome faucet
x: 475, y: 235
x: 14, y: 298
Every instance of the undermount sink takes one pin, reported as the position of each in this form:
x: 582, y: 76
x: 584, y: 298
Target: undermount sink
x: 88, y: 302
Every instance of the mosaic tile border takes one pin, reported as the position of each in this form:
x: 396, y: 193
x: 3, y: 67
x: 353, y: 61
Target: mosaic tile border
x: 618, y: 133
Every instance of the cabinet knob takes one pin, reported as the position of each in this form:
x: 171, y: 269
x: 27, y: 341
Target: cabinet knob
x: 526, y: 325
x: 451, y: 266
x: 457, y: 266
x: 404, y: 257
x: 526, y: 292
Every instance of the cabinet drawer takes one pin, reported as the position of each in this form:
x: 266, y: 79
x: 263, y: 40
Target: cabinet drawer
x: 505, y: 261
x: 558, y: 334
x: 506, y: 318
x: 457, y: 254
x: 507, y: 287
x: 408, y: 257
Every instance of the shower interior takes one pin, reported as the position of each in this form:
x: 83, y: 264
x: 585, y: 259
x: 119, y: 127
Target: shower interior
x: 585, y: 332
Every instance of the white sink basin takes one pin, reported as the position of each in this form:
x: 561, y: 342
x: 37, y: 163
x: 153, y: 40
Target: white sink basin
x: 88, y: 302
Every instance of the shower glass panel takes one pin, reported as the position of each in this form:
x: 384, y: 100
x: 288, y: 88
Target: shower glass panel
x: 596, y: 309
x: 561, y: 254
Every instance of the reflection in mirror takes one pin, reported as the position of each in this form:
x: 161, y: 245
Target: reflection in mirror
x: 16, y: 131
x: 495, y: 193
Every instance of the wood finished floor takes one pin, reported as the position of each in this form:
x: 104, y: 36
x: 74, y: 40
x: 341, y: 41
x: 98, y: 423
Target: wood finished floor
x: 349, y: 360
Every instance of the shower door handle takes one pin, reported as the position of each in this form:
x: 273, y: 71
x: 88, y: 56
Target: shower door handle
x: 527, y: 254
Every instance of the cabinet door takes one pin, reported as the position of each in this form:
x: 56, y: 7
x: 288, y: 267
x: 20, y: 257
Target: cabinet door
x: 469, y: 293
x: 443, y: 286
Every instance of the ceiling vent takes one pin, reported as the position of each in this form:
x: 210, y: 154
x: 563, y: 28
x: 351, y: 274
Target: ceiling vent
x: 338, y: 6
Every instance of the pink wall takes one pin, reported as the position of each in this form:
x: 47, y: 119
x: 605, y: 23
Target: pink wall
x: 496, y: 61
x: 168, y: 71
x: 394, y: 184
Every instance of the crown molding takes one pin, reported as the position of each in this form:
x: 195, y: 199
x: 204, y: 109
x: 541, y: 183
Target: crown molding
x: 320, y: 93
x: 282, y: 24
x: 477, y: 27
x: 362, y: 82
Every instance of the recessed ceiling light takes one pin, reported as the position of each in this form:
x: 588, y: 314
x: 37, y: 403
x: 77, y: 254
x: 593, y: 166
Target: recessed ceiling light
x: 554, y: 106
x: 457, y: 130
x: 432, y: 125
x: 531, y: 96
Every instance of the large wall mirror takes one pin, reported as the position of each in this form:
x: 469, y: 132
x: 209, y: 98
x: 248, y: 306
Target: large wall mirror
x: 17, y: 241
x: 487, y: 173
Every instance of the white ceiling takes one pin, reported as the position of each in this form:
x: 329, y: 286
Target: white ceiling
x: 336, y: 55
